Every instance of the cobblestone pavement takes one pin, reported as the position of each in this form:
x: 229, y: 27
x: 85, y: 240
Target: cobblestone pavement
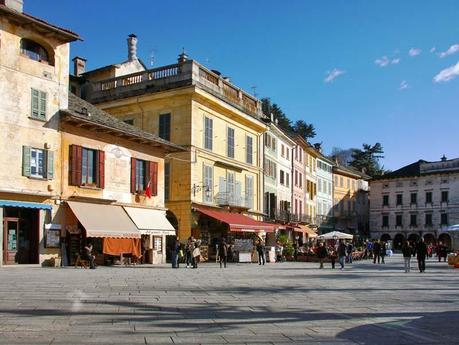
x: 245, y: 303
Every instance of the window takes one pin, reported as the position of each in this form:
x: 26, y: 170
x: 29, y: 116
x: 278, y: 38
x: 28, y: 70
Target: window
x: 385, y: 199
x: 443, y: 219
x: 208, y: 133
x: 34, y: 51
x: 341, y: 181
x: 37, y: 163
x: 329, y: 188
x: 87, y: 167
x: 287, y: 179
x: 348, y: 183
x: 167, y: 180
x: 399, y: 199
x: 208, y: 183
x: 414, y: 198
x: 38, y: 105
x: 287, y: 153
x: 429, y: 219
x: 301, y: 180
x: 144, y: 173
x: 385, y: 221
x: 413, y: 220
x: 444, y: 196
x: 158, y: 243
x: 398, y: 220
x: 270, y: 169
x: 230, y: 142
x: 249, y: 150
x: 428, y: 197
x: 282, y: 150
x: 282, y: 177
x: 230, y: 183
x: 319, y: 185
x: 249, y: 191
x: 296, y: 177
x: 336, y: 181
x: 165, y: 126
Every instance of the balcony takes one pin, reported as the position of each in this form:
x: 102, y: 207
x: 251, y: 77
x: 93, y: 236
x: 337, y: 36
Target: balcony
x: 233, y: 200
x: 169, y: 77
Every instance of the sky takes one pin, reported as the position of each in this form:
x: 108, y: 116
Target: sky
x: 360, y: 71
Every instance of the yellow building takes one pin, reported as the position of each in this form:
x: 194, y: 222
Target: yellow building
x: 219, y: 124
x: 310, y: 161
x: 34, y: 65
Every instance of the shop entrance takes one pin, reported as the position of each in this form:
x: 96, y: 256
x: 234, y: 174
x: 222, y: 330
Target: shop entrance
x: 20, y: 236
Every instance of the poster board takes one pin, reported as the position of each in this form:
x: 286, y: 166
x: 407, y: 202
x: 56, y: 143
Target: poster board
x: 52, y: 235
x: 243, y: 245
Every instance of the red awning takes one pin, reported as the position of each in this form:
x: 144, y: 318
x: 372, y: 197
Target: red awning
x: 237, y: 222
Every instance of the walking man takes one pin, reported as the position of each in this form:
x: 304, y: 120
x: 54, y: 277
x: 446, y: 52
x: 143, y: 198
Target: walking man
x: 406, y: 250
x: 223, y: 252
x: 261, y: 252
x: 321, y: 254
x: 421, y: 252
x: 349, y: 249
x: 383, y: 251
x: 376, y: 252
x: 341, y: 253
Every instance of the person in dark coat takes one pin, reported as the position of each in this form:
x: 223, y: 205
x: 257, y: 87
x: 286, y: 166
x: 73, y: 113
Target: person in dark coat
x: 383, y: 251
x: 261, y: 252
x: 341, y: 253
x: 376, y: 252
x: 175, y: 250
x: 223, y: 253
x: 407, y: 250
x: 421, y: 252
x: 321, y: 254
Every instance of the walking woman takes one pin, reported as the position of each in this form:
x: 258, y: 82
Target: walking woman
x: 407, y: 250
x: 196, y: 255
x: 223, y: 253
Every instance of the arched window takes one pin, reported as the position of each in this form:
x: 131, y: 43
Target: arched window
x: 34, y: 51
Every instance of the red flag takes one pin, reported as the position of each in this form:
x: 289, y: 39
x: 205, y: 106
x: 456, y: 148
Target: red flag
x: 148, y: 190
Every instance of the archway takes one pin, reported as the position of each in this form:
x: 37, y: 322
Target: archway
x: 445, y: 239
x: 398, y: 241
x: 430, y: 239
x: 414, y: 237
x: 385, y: 237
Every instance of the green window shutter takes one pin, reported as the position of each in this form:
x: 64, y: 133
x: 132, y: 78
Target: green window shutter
x: 35, y: 100
x: 26, y: 161
x: 49, y: 165
x: 42, y: 114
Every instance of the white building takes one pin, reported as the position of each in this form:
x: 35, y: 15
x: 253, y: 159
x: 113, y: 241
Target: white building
x: 324, y: 197
x: 420, y: 199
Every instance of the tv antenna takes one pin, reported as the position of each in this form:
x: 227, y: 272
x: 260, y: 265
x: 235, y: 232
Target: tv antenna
x: 254, y: 90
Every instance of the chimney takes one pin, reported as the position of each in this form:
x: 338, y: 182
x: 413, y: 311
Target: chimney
x: 444, y: 159
x: 182, y: 57
x: 132, y: 47
x: 16, y: 5
x: 79, y: 66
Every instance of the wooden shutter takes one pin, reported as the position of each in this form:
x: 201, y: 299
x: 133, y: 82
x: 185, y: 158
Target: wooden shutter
x: 101, y: 169
x: 153, y: 174
x: 42, y: 108
x: 26, y: 161
x: 75, y: 165
x: 133, y: 163
x: 34, y: 103
x: 49, y: 164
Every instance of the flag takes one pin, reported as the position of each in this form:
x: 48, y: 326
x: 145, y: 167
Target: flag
x: 148, y: 190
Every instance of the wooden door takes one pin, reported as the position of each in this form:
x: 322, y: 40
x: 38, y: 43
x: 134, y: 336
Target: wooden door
x: 10, y: 240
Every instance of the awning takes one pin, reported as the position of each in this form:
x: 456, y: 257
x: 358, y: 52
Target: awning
x: 237, y: 222
x: 10, y: 203
x: 306, y: 230
x: 336, y: 235
x: 104, y: 220
x: 150, y: 222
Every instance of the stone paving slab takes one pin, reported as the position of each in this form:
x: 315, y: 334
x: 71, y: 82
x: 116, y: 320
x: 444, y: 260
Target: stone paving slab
x: 287, y: 303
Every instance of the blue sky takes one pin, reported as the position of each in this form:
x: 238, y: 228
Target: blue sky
x: 360, y: 71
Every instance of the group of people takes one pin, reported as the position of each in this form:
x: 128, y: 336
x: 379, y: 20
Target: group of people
x: 341, y: 251
x: 191, y: 252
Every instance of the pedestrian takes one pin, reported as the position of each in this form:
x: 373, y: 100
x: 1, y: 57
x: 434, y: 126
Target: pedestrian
x: 442, y: 251
x: 406, y: 251
x: 421, y: 252
x: 279, y: 251
x: 175, y: 250
x: 321, y: 254
x: 376, y: 252
x: 87, y: 255
x: 383, y: 251
x: 349, y: 250
x: 223, y: 252
x: 261, y: 252
x: 189, y: 252
x: 196, y: 255
x: 341, y: 253
x: 332, y: 255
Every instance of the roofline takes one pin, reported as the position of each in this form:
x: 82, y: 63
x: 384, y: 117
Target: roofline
x: 69, y: 35
x: 172, y: 147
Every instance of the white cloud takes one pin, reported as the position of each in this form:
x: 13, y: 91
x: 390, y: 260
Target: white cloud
x: 395, y: 61
x: 451, y: 50
x: 433, y: 49
x: 403, y: 85
x: 414, y: 52
x: 332, y: 75
x: 383, y: 61
x: 447, y: 74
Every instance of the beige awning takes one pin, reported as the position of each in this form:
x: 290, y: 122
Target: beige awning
x: 150, y: 222
x: 104, y: 220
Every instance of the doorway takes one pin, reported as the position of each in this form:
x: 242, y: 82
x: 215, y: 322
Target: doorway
x: 10, y: 240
